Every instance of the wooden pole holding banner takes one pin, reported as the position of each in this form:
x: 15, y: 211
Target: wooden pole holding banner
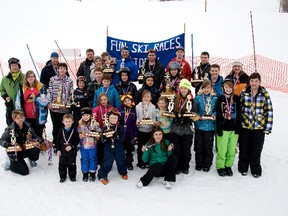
x: 75, y: 62
x: 66, y: 61
x: 205, y: 5
x: 253, y: 39
x: 106, y: 37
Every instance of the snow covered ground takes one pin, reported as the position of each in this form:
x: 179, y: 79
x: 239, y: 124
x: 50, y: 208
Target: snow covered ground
x: 224, y: 31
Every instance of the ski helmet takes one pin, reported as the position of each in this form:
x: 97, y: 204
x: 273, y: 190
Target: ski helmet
x: 14, y: 61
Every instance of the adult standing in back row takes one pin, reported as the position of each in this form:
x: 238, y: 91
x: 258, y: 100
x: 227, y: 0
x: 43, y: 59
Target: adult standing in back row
x: 239, y: 77
x: 202, y: 71
x: 186, y: 70
x: 125, y: 61
x: 84, y: 68
x: 10, y: 86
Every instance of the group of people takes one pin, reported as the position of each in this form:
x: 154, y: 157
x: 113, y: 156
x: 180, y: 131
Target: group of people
x: 106, y: 116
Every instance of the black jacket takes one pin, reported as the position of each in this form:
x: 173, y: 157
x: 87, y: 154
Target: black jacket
x: 73, y: 142
x: 158, y: 71
x: 84, y: 70
x: 201, y: 70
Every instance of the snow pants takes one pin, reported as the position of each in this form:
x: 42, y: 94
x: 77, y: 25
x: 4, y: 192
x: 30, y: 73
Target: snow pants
x: 250, y: 148
x: 143, y: 138
x: 88, y: 160
x: 18, y: 164
x: 203, y: 148
x: 67, y: 162
x: 110, y: 154
x: 167, y: 170
x: 182, y: 149
x: 226, y: 149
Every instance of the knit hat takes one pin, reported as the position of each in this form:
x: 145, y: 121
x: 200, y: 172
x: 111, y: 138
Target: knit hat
x: 185, y: 83
x: 125, y: 48
x: 237, y: 63
x: 180, y: 48
x: 86, y: 110
x: 97, y: 57
x: 174, y: 65
x: 54, y: 55
x: 14, y: 61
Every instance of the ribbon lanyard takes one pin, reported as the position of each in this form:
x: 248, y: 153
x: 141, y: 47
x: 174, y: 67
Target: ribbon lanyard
x: 229, y: 106
x: 126, y: 116
x: 105, y: 110
x: 126, y: 90
x: 182, y: 105
x: 67, y: 141
x: 106, y: 89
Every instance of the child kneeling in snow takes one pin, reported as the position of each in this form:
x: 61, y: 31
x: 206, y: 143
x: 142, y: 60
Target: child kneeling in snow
x: 162, y: 162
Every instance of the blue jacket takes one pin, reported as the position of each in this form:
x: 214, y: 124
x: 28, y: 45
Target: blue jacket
x: 217, y: 86
x: 128, y: 62
x: 112, y: 95
x: 205, y: 125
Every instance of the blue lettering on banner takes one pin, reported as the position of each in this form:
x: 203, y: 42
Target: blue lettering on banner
x: 165, y: 49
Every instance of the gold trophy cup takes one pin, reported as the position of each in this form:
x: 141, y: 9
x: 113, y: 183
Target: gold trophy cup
x: 146, y: 120
x: 207, y: 115
x: 196, y: 78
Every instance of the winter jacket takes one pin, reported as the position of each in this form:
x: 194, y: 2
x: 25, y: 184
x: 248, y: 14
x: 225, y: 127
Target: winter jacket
x: 41, y: 101
x: 131, y: 130
x: 158, y: 70
x: 9, y: 87
x: 223, y: 122
x: 154, y: 93
x: 73, y: 141
x: 155, y: 154
x: 112, y: 95
x: 217, y: 86
x: 86, y: 142
x: 203, y: 70
x: 20, y: 134
x: 128, y: 62
x: 186, y: 70
x: 140, y: 115
x: 123, y: 88
x: 84, y: 70
x: 239, y: 84
x: 205, y: 125
x: 100, y: 111
x: 257, y: 113
x: 47, y: 72
x: 67, y: 88
x: 92, y: 87
x: 165, y: 122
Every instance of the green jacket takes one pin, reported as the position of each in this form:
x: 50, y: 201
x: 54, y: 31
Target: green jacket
x: 157, y: 156
x: 9, y: 87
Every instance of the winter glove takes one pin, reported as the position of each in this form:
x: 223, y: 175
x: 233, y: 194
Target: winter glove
x: 9, y: 106
x: 219, y: 133
x: 266, y: 132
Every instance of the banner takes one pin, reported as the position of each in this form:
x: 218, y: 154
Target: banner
x: 165, y: 50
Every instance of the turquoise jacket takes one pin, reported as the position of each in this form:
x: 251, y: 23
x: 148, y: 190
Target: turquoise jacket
x: 205, y: 125
x: 155, y: 154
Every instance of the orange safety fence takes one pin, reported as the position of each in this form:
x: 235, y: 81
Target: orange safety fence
x: 274, y: 73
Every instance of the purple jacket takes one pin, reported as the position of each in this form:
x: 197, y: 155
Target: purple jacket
x: 131, y: 129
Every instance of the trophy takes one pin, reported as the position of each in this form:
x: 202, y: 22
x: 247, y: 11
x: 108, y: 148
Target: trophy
x: 207, y: 115
x: 93, y: 128
x: 30, y: 143
x: 47, y: 145
x: 109, y: 132
x: 196, y: 78
x: 170, y: 107
x: 141, y: 74
x: 168, y: 88
x: 194, y: 116
x: 122, y: 63
x: 14, y: 147
x: 58, y: 104
x: 108, y: 69
x: 146, y: 120
x: 72, y: 102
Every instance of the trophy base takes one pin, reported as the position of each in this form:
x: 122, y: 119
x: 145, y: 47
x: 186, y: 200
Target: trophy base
x: 146, y: 122
x: 58, y: 106
x: 31, y: 144
x: 72, y: 105
x: 169, y: 95
x: 196, y: 81
x: 207, y: 117
x: 140, y: 78
x: 12, y: 149
x: 93, y: 134
x: 108, y: 70
x: 169, y: 114
x: 109, y: 133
